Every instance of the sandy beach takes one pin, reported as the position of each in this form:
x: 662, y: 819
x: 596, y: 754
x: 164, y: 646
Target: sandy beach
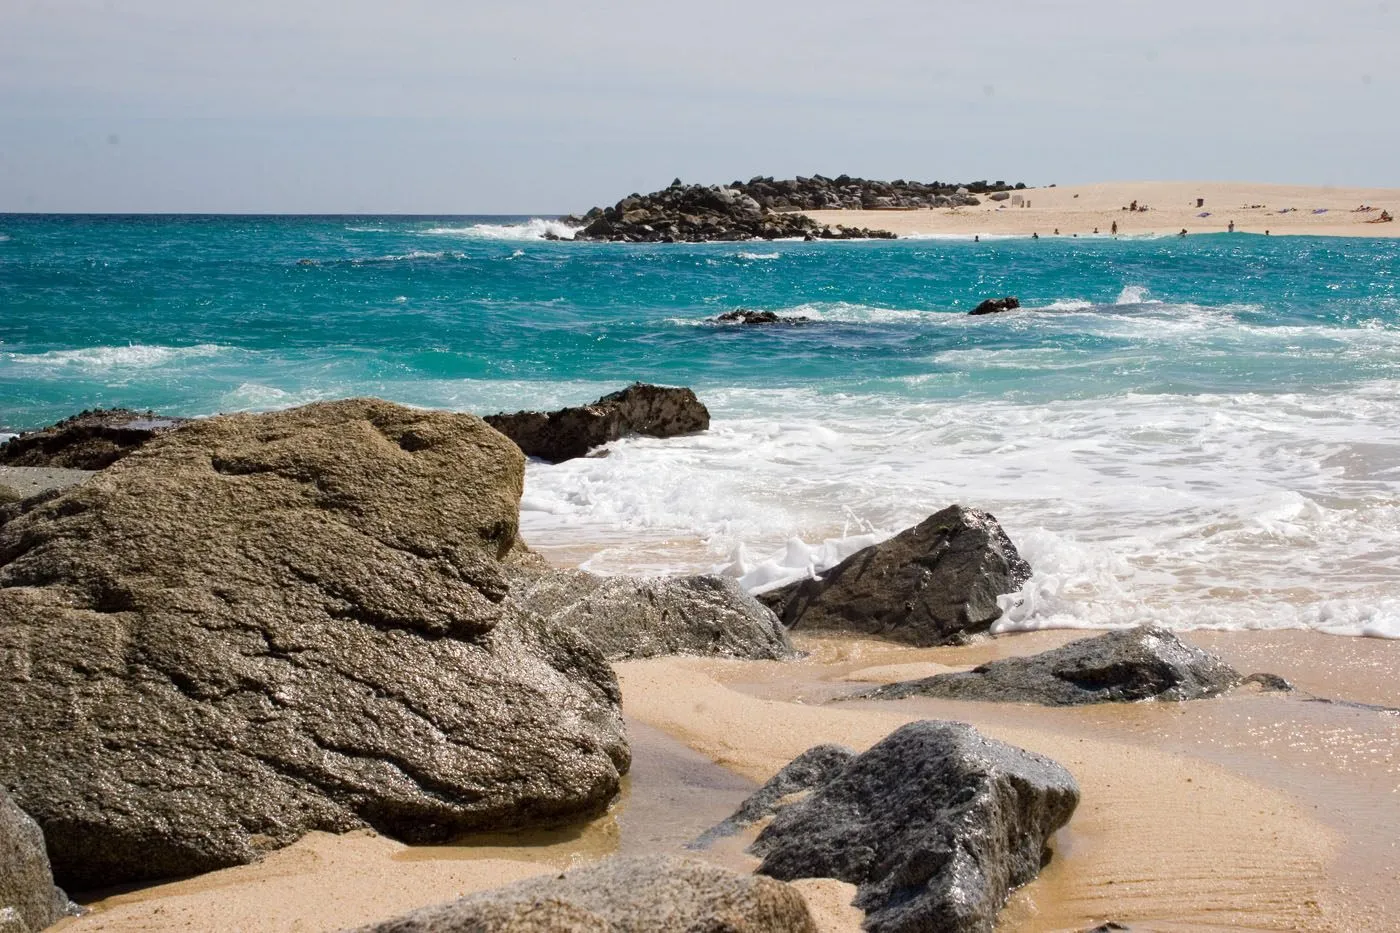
x: 1252, y: 811
x: 1080, y: 210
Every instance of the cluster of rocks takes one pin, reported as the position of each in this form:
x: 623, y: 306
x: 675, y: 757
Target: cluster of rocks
x: 846, y: 193
x: 701, y: 213
x: 653, y: 411
x: 747, y: 316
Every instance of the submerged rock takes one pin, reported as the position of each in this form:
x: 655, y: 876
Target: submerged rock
x: 932, y: 584
x: 640, y: 894
x: 644, y: 617
x: 745, y: 316
x: 655, y: 411
x: 29, y: 902
x: 261, y: 625
x: 91, y: 440
x: 935, y: 825
x: 997, y: 305
x: 811, y: 769
x: 1146, y: 663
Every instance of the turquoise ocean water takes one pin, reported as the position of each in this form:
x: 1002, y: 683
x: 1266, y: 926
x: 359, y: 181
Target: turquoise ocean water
x: 1203, y: 432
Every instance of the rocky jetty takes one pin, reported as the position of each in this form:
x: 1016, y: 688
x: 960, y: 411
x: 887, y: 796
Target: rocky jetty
x: 1145, y: 663
x: 748, y: 317
x: 29, y: 902
x: 641, y: 894
x: 643, y: 617
x: 933, y: 584
x: 90, y: 440
x: 654, y: 411
x: 997, y: 305
x: 261, y: 625
x: 843, y: 192
x: 935, y: 825
x: 701, y: 213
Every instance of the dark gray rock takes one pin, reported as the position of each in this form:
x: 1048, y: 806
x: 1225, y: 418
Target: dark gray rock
x: 811, y: 769
x: 935, y: 825
x: 655, y: 411
x: 933, y: 584
x: 29, y: 902
x: 261, y: 625
x: 91, y: 440
x: 640, y: 894
x: 745, y: 316
x: 644, y: 617
x: 997, y: 305
x: 1146, y: 663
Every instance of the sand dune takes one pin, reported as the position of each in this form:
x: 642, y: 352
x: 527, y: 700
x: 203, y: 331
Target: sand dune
x: 1080, y: 209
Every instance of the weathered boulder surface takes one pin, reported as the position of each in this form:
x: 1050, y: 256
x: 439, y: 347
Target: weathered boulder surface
x: 90, y: 440
x: 29, y: 902
x: 655, y: 411
x: 261, y: 625
x: 700, y: 213
x: 746, y: 316
x: 933, y: 584
x: 1145, y: 663
x: 644, y: 617
x: 997, y: 305
x: 935, y: 826
x: 813, y: 768
x: 640, y: 894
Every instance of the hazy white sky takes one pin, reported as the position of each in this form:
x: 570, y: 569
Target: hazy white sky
x: 465, y: 106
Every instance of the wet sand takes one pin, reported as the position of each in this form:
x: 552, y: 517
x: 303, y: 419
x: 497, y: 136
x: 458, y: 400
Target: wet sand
x: 1077, y: 210
x: 1252, y: 811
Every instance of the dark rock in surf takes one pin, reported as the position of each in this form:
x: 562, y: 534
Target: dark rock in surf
x: 644, y: 617
x: 654, y: 411
x: 935, y: 825
x: 813, y: 768
x: 91, y: 440
x: 745, y: 316
x: 1146, y: 663
x: 29, y: 902
x: 261, y: 625
x: 637, y: 894
x: 997, y: 305
x: 933, y: 584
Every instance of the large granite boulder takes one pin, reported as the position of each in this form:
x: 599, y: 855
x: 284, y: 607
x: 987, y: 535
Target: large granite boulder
x: 644, y: 617
x: 933, y: 584
x: 29, y: 902
x: 813, y: 768
x: 654, y: 411
x: 261, y: 625
x: 91, y: 440
x: 1145, y: 663
x: 640, y: 894
x: 935, y: 826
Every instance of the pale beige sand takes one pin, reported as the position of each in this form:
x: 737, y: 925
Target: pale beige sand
x: 30, y: 481
x: 1079, y: 209
x: 1249, y: 812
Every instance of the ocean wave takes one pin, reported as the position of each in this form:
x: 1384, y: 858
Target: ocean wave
x: 533, y: 229
x: 747, y: 255
x: 1133, y: 295
x: 415, y: 255
x: 132, y: 356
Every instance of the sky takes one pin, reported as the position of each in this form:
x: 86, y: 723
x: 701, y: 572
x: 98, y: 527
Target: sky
x: 550, y: 106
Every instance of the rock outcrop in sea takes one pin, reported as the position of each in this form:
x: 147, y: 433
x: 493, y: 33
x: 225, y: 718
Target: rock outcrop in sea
x: 1144, y: 663
x: 654, y: 411
x: 935, y: 824
x: 629, y: 618
x: 700, y: 213
x: 29, y: 901
x: 997, y: 305
x: 933, y: 584
x: 259, y: 625
x: 754, y: 318
x: 90, y: 440
x: 639, y: 894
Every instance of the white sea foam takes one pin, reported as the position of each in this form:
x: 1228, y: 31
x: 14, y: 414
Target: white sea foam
x: 746, y: 255
x: 1240, y: 511
x: 533, y: 229
x: 1132, y: 295
x: 415, y: 255
x: 133, y: 356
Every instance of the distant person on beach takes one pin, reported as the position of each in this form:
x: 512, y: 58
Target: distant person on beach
x: 1133, y: 206
x: 1232, y: 227
x: 1096, y: 229
x: 1036, y: 236
x: 1114, y: 228
x: 1183, y: 232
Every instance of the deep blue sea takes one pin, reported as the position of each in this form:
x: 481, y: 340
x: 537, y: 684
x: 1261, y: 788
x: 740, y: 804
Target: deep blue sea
x: 1199, y: 431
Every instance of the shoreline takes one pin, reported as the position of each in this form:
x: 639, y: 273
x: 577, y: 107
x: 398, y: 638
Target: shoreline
x: 1077, y: 210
